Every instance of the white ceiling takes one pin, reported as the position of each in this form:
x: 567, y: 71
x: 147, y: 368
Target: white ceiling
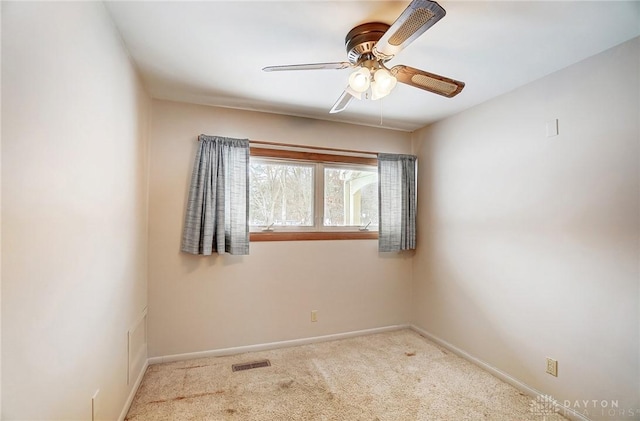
x: 213, y: 52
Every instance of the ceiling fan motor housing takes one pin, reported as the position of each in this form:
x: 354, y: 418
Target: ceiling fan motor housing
x: 361, y: 40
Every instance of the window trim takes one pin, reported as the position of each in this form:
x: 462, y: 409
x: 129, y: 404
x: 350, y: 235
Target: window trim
x: 312, y: 156
x: 304, y: 234
x: 312, y: 235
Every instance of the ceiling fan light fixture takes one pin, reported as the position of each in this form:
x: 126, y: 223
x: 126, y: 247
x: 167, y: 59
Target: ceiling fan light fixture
x: 383, y: 83
x: 360, y: 80
x: 371, y: 45
x: 376, y: 92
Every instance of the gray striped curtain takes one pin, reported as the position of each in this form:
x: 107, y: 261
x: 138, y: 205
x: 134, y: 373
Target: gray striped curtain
x: 217, y: 218
x: 397, y: 202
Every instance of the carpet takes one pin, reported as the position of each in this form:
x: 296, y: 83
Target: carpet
x: 392, y: 376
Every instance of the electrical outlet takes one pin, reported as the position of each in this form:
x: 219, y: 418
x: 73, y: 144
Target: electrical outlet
x: 94, y: 406
x: 314, y: 315
x: 552, y: 367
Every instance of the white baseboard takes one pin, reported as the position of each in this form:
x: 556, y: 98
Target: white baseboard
x: 133, y: 392
x: 272, y: 345
x: 568, y: 412
x: 247, y: 348
x: 523, y: 387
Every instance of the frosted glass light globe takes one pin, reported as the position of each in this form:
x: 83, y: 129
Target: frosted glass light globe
x: 383, y: 84
x: 360, y: 80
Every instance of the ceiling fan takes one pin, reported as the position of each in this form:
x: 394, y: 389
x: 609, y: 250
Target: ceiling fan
x: 371, y: 45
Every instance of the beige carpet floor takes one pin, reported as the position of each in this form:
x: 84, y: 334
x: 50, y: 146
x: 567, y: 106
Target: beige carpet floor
x: 395, y: 376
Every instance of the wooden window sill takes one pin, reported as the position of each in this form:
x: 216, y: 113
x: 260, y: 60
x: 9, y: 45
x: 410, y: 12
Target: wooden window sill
x: 316, y: 235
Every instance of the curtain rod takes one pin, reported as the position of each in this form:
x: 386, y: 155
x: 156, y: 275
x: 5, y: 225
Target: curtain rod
x: 319, y: 148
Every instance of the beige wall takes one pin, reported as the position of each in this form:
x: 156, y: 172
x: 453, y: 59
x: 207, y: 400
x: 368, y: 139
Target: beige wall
x: 74, y: 188
x: 529, y: 245
x: 203, y: 303
x: 0, y: 296
x: 0, y: 222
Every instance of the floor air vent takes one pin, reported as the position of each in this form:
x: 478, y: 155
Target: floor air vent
x: 249, y: 366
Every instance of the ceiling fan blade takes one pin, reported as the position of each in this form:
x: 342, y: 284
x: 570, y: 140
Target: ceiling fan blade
x: 428, y: 81
x: 419, y: 16
x: 311, y: 66
x: 342, y: 103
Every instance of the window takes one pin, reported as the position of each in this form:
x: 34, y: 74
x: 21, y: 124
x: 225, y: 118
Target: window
x: 302, y: 195
x: 350, y: 196
x: 280, y: 194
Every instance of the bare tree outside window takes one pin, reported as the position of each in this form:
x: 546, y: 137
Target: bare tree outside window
x: 280, y: 194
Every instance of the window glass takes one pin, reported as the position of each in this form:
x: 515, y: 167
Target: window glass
x: 350, y: 196
x: 280, y: 194
x: 306, y: 194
